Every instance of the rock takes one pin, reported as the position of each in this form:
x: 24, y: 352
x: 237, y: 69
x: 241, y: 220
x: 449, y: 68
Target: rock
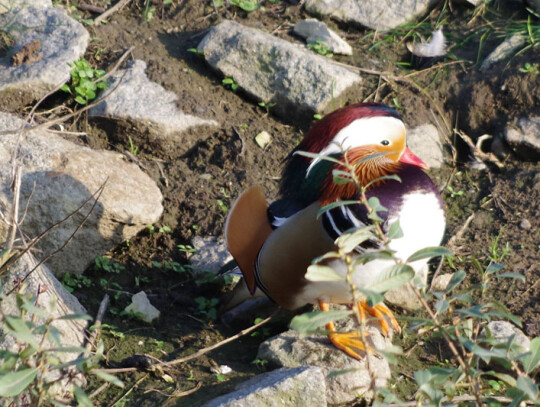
x: 425, y: 142
x: 71, y: 332
x: 503, y: 330
x: 289, y: 350
x: 403, y: 297
x: 301, y: 387
x: 61, y: 40
x: 525, y: 140
x: 9, y: 5
x: 376, y: 14
x: 504, y: 50
x: 525, y: 224
x: 132, y: 96
x: 313, y: 30
x: 440, y: 282
x: 270, y: 69
x: 263, y: 139
x: 57, y: 177
x: 141, y: 308
x: 210, y: 254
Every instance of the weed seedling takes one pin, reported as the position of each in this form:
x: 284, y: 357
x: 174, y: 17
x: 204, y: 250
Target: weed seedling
x: 321, y: 48
x: 530, y: 68
x: 229, y: 83
x: 108, y: 265
x: 454, y: 193
x: 207, y: 307
x: 85, y: 81
x: 133, y: 149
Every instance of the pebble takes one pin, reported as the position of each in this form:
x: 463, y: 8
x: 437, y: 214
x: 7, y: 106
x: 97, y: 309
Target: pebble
x: 525, y: 224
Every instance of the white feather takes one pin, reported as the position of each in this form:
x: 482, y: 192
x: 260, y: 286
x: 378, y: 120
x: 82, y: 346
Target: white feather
x: 436, y: 47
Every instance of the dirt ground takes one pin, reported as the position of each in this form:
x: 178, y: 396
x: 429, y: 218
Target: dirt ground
x: 207, y: 168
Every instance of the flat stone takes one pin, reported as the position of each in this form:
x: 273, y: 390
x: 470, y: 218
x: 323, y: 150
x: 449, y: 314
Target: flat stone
x: 57, y: 177
x: 425, y: 142
x: 8, y: 5
x: 525, y: 139
x: 210, y: 254
x: 61, y: 39
x: 270, y: 69
x: 314, y: 30
x: 353, y: 382
x: 440, y: 282
x: 51, y: 291
x: 403, y: 297
x: 132, y: 96
x: 376, y: 14
x: 300, y: 387
x: 505, y: 50
x: 503, y: 330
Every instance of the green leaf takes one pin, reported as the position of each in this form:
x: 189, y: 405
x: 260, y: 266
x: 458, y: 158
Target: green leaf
x: 372, y: 297
x: 82, y: 398
x: 310, y: 322
x: 395, y: 231
x: 528, y: 387
x: 429, y: 252
x: 12, y: 384
x: 21, y: 331
x: 383, y: 178
x: 336, y: 204
x: 73, y: 317
x: 369, y: 256
x: 109, y: 378
x: 509, y: 380
x: 441, y: 306
x: 494, y: 267
x: 532, y: 360
x: 392, y: 277
x: 32, y: 309
x: 517, y: 276
x: 317, y: 272
x: 341, y: 177
x: 349, y: 241
x: 456, y: 279
x: 375, y: 204
x: 66, y: 88
x: 80, y: 100
x: 390, y: 353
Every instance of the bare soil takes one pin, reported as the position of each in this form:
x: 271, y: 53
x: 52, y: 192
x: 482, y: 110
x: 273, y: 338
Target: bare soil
x: 206, y: 169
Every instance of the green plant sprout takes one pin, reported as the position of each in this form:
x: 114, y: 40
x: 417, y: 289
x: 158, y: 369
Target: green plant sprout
x: 321, y: 48
x: 207, y: 307
x: 85, y: 82
x: 454, y: 193
x: 133, y: 149
x: 530, y: 68
x: 229, y: 83
x: 108, y: 265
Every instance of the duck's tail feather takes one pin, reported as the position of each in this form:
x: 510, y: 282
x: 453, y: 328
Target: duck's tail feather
x: 246, y: 230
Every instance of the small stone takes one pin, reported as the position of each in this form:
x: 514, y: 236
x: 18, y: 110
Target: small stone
x: 210, y: 254
x: 502, y: 330
x: 440, y: 282
x: 141, y: 308
x: 525, y: 224
x: 313, y: 30
x: 425, y: 142
x: 263, y: 139
x: 504, y: 50
x: 525, y: 138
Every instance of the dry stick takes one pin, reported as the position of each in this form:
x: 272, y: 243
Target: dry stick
x: 460, y: 232
x: 117, y: 7
x: 16, y: 187
x: 490, y: 157
x: 99, y: 390
x: 196, y: 354
x: 97, y: 324
x: 91, y: 8
x: 37, y: 239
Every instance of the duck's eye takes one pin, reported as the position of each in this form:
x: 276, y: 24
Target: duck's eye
x: 385, y: 142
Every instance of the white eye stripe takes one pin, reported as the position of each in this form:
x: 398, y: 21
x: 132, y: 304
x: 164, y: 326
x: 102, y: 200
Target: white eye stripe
x: 362, y: 132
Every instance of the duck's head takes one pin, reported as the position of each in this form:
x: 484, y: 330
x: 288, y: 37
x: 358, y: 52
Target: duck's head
x: 352, y: 134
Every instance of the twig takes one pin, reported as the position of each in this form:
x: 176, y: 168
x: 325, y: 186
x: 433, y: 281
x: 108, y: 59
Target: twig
x: 117, y: 7
x: 460, y: 232
x: 463, y: 398
x: 99, y: 390
x: 91, y: 8
x: 196, y: 354
x: 477, y: 152
x: 97, y: 324
x: 175, y: 394
x: 16, y: 187
x: 130, y: 390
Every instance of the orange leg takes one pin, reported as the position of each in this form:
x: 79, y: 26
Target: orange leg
x: 383, y: 315
x: 349, y: 342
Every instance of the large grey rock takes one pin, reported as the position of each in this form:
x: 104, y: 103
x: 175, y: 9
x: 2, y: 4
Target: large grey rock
x: 314, y: 30
x: 525, y: 139
x: 300, y: 387
x: 505, y: 50
x: 62, y: 40
x: 270, y: 69
x: 425, y: 142
x: 289, y: 350
x: 8, y: 5
x: 43, y: 286
x: 376, y: 14
x: 58, y: 176
x: 132, y: 96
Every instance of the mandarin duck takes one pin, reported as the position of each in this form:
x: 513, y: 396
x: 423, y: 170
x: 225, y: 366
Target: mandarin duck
x: 274, y: 244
